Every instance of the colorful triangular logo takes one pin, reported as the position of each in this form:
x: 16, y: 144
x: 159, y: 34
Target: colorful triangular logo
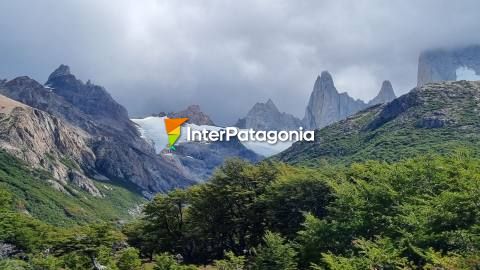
x: 173, y: 129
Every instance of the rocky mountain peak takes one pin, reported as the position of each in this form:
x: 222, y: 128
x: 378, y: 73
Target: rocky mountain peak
x: 386, y: 87
x: 62, y: 70
x: 195, y: 116
x: 385, y: 95
x: 270, y: 104
x: 266, y: 116
x: 62, y: 77
x: 326, y: 105
x: 324, y: 82
x: 91, y: 100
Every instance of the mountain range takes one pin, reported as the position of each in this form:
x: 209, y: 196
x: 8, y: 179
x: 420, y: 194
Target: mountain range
x: 325, y: 106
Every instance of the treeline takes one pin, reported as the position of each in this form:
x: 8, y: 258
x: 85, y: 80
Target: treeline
x: 421, y: 213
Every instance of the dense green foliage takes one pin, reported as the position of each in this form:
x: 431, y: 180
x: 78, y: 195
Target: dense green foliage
x: 43, y: 246
x: 275, y: 254
x: 399, y: 214
x: 231, y: 262
x: 419, y: 213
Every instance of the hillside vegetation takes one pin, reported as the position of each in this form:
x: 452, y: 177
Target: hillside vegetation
x: 34, y: 194
x: 435, y: 118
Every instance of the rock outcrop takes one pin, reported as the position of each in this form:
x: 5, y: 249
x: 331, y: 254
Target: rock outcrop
x: 266, y: 116
x: 47, y: 142
x: 327, y: 106
x: 385, y: 95
x: 195, y: 116
x: 449, y: 65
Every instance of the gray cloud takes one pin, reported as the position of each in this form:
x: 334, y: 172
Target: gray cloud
x: 226, y: 55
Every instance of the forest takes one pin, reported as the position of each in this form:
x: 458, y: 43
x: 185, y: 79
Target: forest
x: 420, y: 213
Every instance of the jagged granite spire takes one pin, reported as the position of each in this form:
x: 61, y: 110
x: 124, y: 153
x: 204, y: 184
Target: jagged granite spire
x: 385, y: 95
x: 326, y: 105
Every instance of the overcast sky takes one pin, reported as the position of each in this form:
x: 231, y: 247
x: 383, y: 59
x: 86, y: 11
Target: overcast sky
x: 224, y: 55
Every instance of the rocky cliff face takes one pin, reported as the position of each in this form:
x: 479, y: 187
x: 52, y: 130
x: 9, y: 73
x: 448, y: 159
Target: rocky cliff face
x: 449, y: 65
x: 385, y: 95
x: 47, y: 142
x: 266, y: 116
x: 327, y: 106
x: 120, y: 153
